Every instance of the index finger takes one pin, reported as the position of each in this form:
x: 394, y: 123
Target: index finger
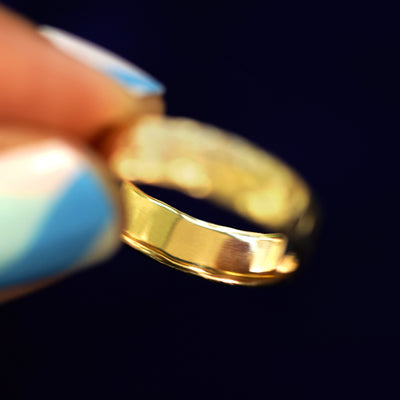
x: 42, y: 86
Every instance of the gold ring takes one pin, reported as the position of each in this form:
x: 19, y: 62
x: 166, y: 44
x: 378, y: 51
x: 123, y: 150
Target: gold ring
x: 205, y: 162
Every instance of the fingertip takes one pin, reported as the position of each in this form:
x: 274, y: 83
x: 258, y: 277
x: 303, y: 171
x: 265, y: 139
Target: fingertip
x: 43, y: 84
x: 59, y: 210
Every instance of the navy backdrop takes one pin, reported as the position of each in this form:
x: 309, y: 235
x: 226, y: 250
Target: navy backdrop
x: 315, y: 84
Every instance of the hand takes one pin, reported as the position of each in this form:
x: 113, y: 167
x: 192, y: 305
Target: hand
x: 46, y: 94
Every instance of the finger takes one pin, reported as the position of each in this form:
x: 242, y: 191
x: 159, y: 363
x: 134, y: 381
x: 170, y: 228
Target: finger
x: 43, y: 86
x: 59, y: 211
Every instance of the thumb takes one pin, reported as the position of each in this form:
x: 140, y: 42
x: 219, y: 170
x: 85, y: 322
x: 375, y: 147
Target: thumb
x: 58, y: 210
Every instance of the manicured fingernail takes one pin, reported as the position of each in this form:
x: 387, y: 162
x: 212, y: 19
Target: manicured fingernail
x: 128, y: 75
x: 57, y: 212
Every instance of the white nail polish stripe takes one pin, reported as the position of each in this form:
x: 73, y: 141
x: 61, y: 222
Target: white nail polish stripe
x: 20, y: 220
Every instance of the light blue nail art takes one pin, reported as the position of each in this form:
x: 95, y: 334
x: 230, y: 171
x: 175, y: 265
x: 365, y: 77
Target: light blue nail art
x: 129, y: 75
x: 136, y: 81
x: 74, y: 223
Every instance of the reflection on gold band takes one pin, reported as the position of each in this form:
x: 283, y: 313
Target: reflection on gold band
x: 205, y: 162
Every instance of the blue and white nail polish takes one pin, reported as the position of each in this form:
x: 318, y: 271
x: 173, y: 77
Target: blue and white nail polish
x: 57, y: 212
x: 125, y: 73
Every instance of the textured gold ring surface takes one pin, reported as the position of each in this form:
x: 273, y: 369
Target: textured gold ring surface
x: 206, y: 162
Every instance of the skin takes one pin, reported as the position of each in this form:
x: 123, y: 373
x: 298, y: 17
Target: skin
x: 46, y: 93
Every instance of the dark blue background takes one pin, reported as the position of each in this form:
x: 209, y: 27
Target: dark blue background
x: 317, y: 85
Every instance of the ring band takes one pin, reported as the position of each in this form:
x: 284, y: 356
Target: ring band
x: 205, y: 162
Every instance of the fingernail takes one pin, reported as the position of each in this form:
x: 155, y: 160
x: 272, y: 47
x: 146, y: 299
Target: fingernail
x: 125, y: 73
x: 57, y: 212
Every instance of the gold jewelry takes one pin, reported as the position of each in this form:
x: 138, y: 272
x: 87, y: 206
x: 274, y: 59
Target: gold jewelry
x: 205, y: 162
